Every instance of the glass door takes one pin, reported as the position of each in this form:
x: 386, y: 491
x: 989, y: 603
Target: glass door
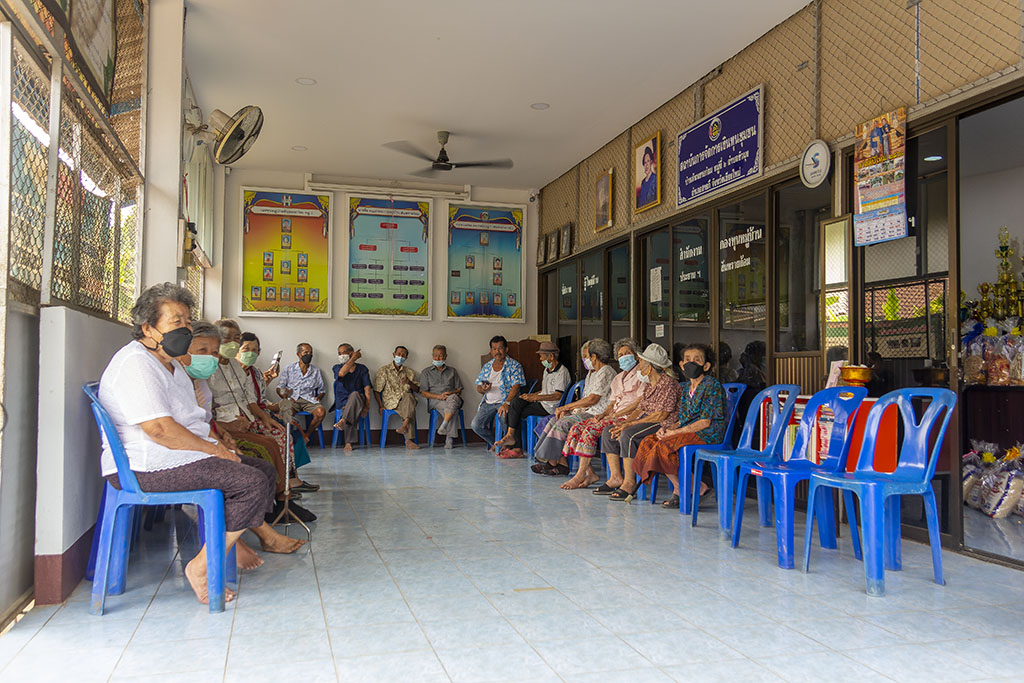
x: 657, y: 276
x: 691, y: 292
x: 619, y: 292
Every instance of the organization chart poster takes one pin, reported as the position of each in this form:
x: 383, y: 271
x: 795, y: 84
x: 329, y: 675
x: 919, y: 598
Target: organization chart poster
x: 286, y: 253
x: 485, y: 262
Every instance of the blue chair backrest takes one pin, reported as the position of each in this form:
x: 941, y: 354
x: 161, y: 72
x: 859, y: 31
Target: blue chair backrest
x: 733, y: 393
x: 569, y: 395
x: 109, y: 432
x: 843, y: 402
x: 916, y: 462
x: 779, y: 412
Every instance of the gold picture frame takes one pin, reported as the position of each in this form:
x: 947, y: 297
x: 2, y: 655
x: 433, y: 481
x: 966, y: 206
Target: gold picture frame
x: 604, y: 208
x: 647, y: 187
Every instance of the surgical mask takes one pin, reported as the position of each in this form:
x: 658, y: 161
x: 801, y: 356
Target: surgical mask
x: 229, y: 349
x: 202, y: 367
x: 306, y: 359
x: 627, y: 363
x: 438, y: 363
x: 399, y: 360
x: 344, y: 358
x: 587, y: 364
x: 646, y: 379
x: 248, y: 358
x: 547, y: 364
x: 692, y: 370
x: 176, y: 342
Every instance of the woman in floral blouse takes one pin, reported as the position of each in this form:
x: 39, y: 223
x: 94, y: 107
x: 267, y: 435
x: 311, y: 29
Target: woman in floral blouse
x: 701, y: 421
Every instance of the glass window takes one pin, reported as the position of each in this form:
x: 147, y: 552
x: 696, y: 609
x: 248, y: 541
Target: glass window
x: 592, y: 296
x: 797, y: 265
x: 742, y: 297
x: 657, y: 273
x: 837, y: 293
x: 568, y: 312
x: 550, y: 284
x: 691, y: 285
x: 619, y: 301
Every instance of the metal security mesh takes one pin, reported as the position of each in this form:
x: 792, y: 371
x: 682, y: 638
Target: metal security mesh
x: 30, y: 109
x: 194, y: 284
x: 558, y: 205
x: 128, y: 254
x: 126, y: 97
x: 65, y: 249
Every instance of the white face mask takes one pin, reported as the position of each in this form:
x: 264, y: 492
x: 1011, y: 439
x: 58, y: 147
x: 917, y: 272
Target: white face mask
x: 399, y: 360
x: 344, y: 358
x: 587, y: 364
x: 646, y: 379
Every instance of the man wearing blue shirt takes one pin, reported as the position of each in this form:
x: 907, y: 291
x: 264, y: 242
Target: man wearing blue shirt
x: 352, y: 392
x: 498, y: 382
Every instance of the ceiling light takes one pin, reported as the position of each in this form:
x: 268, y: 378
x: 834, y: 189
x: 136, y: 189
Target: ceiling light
x: 934, y: 157
x: 540, y: 106
x: 305, y: 81
x: 300, y: 148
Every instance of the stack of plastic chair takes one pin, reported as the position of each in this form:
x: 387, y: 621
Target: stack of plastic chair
x: 879, y: 492
x: 436, y: 418
x: 573, y: 393
x: 784, y: 474
x: 117, y: 513
x: 725, y: 462
x: 385, y: 417
x: 319, y: 427
x: 363, y: 429
x: 733, y: 392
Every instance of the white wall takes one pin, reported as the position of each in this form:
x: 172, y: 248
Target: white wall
x: 74, y: 348
x: 18, y: 465
x: 987, y: 203
x: 466, y: 341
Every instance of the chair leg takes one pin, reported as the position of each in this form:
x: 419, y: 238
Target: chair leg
x: 431, y: 427
x: 851, y: 516
x: 104, y: 549
x: 654, y: 488
x: 90, y: 568
x: 334, y: 431
x: 462, y: 426
x: 872, y: 513
x: 809, y: 531
x: 785, y: 505
x: 826, y: 519
x: 726, y: 493
x: 216, y: 555
x: 764, y: 501
x: 686, y: 482
x: 698, y: 471
x: 384, y: 428
x: 737, y: 515
x: 932, y: 514
x: 124, y: 534
x: 893, y: 533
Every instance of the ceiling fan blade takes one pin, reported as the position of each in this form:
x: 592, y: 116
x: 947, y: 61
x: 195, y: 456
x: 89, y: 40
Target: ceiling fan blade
x: 496, y: 163
x: 406, y: 147
x: 428, y: 172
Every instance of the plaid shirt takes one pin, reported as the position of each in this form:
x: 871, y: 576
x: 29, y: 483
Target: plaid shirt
x: 511, y: 375
x: 309, y: 386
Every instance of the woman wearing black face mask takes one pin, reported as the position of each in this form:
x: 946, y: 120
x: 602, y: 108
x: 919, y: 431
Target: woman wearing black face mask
x: 701, y: 421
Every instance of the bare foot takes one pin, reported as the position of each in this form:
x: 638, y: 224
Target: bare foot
x: 196, y: 577
x: 614, y: 483
x: 340, y: 424
x: 580, y: 481
x: 411, y: 445
x: 505, y: 440
x: 348, y: 447
x: 279, y: 543
x: 403, y: 428
x: 246, y: 556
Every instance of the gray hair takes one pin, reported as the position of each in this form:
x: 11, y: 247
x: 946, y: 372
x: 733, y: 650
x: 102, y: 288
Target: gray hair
x: 629, y: 344
x: 202, y: 328
x: 146, y: 310
x: 225, y: 324
x: 601, y: 349
x: 442, y: 348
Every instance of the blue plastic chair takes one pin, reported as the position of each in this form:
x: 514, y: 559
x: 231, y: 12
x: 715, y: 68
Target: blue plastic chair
x: 785, y: 474
x: 385, y: 417
x: 118, y: 518
x: 575, y: 392
x: 879, y: 492
x: 725, y: 462
x: 733, y: 392
x: 319, y: 427
x: 363, y: 429
x: 436, y: 418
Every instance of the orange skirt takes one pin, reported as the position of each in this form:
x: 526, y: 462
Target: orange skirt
x: 662, y: 456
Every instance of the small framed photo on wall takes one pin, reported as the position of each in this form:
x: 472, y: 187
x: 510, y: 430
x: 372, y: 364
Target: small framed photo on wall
x: 604, y: 212
x: 565, y: 248
x: 553, y: 247
x: 647, y: 174
x: 542, y: 251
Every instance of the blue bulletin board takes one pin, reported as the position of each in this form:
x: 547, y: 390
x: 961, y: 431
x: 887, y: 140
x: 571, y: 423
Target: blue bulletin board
x: 485, y: 262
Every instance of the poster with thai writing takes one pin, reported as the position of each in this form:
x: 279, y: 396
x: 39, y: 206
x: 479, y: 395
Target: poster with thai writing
x: 388, y: 257
x: 741, y: 261
x: 879, y: 165
x: 485, y: 262
x: 722, y: 149
x: 286, y: 253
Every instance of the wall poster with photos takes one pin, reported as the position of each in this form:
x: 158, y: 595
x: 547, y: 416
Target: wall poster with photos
x: 485, y: 262
x: 286, y: 253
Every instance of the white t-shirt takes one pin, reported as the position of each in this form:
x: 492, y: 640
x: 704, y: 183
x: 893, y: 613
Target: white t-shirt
x: 557, y: 380
x: 136, y: 388
x: 493, y: 394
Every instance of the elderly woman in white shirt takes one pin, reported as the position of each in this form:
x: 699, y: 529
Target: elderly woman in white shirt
x: 152, y: 402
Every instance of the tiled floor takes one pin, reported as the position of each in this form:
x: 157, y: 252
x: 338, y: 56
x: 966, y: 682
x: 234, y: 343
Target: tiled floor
x: 451, y: 565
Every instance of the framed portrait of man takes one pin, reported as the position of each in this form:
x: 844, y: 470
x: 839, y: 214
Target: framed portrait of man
x: 647, y: 174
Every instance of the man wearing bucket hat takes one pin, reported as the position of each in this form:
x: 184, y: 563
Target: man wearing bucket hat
x: 556, y: 380
x: 658, y: 408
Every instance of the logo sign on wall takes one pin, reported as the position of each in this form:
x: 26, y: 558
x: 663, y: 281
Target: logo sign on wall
x: 723, y: 149
x: 815, y: 163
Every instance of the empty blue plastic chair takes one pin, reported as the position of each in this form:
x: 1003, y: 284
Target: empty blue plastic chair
x: 385, y: 417
x: 117, y: 512
x: 436, y: 418
x: 725, y: 461
x: 573, y: 393
x: 733, y: 392
x: 319, y: 427
x: 362, y: 428
x: 879, y: 492
x: 784, y: 474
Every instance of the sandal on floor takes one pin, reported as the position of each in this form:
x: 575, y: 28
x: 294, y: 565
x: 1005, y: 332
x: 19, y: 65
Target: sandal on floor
x: 672, y: 502
x: 558, y: 470
x: 621, y: 494
x: 541, y: 468
x: 604, y: 490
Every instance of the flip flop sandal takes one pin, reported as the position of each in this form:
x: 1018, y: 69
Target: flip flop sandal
x: 672, y: 502
x: 558, y: 470
x: 604, y: 490
x: 509, y: 454
x: 540, y: 468
x: 621, y: 495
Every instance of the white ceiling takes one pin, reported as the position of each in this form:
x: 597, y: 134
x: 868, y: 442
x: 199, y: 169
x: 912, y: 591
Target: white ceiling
x: 400, y: 70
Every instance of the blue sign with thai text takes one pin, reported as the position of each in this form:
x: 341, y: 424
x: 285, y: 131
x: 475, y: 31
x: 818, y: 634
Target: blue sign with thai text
x: 722, y: 149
